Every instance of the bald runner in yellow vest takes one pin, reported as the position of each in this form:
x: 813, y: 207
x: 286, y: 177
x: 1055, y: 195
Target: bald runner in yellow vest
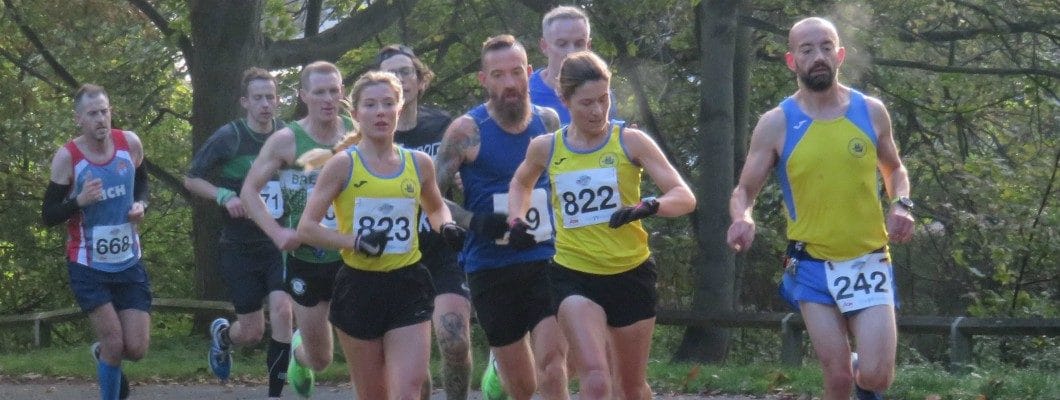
x: 829, y: 145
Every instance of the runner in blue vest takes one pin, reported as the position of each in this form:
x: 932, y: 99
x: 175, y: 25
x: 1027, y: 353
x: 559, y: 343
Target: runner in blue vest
x: 98, y: 188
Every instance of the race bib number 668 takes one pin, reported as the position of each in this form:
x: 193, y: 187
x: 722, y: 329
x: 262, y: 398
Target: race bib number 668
x: 860, y: 283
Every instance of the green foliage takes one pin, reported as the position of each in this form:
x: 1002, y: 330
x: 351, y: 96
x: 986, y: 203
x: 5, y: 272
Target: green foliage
x: 980, y: 145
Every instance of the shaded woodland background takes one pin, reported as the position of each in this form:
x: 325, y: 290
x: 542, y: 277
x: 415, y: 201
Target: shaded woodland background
x: 971, y: 87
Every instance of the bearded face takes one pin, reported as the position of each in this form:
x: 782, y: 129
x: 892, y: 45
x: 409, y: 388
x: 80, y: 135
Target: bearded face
x: 511, y: 105
x: 818, y: 77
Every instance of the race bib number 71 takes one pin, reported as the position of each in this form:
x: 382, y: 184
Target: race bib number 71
x: 860, y: 283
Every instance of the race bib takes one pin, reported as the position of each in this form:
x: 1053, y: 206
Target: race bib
x: 587, y: 197
x: 273, y: 198
x: 860, y: 283
x: 329, y: 220
x: 113, y: 243
x: 396, y: 215
x: 536, y: 216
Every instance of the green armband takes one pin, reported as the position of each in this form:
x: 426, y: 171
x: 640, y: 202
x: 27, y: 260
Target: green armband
x: 223, y: 195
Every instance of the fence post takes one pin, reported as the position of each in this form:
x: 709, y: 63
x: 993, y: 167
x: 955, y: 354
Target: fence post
x: 960, y: 348
x: 791, y: 342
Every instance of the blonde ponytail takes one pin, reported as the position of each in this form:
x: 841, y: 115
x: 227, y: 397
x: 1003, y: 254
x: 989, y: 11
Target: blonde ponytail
x: 316, y: 158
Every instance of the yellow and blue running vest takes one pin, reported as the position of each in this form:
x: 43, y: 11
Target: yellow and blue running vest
x: 373, y: 202
x: 830, y: 181
x: 587, y: 187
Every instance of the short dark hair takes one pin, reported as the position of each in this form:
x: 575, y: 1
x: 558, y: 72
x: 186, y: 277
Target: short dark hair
x: 578, y: 68
x: 85, y: 91
x: 253, y: 74
x: 423, y: 72
x: 501, y: 42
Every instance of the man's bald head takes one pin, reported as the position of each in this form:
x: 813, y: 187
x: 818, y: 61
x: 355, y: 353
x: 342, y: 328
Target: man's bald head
x: 801, y: 30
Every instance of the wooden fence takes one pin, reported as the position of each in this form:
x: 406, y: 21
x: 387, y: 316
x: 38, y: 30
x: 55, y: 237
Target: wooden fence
x: 43, y: 321
x: 959, y: 329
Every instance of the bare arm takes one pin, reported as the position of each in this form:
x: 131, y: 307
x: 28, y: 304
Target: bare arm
x: 277, y: 152
x: 522, y: 184
x: 551, y: 119
x: 677, y: 198
x: 460, y: 144
x: 895, y: 176
x: 136, y: 151
x: 763, y: 154
x: 329, y: 184
x: 430, y: 197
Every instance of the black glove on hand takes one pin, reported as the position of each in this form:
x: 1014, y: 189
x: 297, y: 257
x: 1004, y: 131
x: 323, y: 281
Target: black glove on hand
x: 373, y: 243
x: 518, y: 237
x: 490, y: 225
x: 454, y: 235
x: 625, y: 215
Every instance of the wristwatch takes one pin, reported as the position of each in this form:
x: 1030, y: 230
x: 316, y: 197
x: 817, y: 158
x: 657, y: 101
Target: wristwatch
x: 905, y: 202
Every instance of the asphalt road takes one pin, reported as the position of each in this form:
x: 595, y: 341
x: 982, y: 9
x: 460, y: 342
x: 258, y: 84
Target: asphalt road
x: 69, y: 390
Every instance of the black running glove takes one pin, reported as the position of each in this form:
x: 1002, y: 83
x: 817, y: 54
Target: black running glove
x: 373, y: 243
x: 490, y: 225
x: 454, y: 235
x: 518, y: 237
x: 625, y: 215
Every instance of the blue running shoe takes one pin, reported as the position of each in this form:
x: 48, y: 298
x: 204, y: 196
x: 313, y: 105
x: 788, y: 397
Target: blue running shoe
x: 220, y: 358
x: 859, y: 393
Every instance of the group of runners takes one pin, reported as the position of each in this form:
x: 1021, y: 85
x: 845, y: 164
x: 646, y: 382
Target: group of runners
x: 342, y: 219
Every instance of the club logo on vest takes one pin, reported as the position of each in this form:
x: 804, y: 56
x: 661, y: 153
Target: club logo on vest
x: 409, y: 187
x: 608, y: 160
x: 858, y: 147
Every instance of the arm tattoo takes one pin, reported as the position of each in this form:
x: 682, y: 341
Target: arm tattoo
x: 451, y: 156
x: 551, y: 121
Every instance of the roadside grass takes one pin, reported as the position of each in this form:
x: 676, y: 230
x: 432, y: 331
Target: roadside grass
x: 183, y: 359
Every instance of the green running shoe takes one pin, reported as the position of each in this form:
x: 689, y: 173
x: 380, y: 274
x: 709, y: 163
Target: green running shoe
x: 492, y: 388
x: 300, y: 377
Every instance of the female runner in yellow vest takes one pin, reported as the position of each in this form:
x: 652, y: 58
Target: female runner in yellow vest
x: 383, y: 299
x: 603, y: 276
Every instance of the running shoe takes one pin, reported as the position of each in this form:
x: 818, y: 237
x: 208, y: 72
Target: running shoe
x: 123, y: 392
x: 220, y: 358
x: 300, y: 377
x: 860, y: 393
x: 491, y: 386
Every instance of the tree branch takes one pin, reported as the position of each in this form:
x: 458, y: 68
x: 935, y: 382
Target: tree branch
x: 1041, y: 27
x: 335, y: 41
x: 162, y: 24
x: 30, y: 70
x: 966, y: 70
x: 312, y: 17
x: 172, y: 181
x: 65, y: 75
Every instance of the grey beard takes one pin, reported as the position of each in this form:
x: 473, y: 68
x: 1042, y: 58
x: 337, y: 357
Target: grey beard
x: 512, y: 115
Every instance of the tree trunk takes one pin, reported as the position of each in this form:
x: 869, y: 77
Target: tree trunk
x: 716, y: 20
x: 226, y: 39
x: 744, y: 56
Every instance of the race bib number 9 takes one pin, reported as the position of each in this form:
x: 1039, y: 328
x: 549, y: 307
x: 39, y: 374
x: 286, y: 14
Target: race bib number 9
x: 395, y: 215
x: 587, y: 197
x: 860, y: 283
x: 329, y: 220
x: 273, y: 198
x: 113, y: 243
x: 536, y: 216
